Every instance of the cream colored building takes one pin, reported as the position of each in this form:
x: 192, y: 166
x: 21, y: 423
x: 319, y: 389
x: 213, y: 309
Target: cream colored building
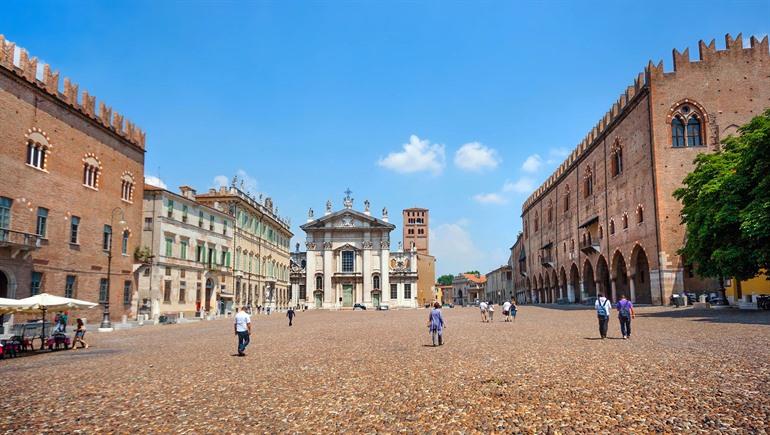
x: 184, y: 261
x: 349, y: 261
x: 260, y: 245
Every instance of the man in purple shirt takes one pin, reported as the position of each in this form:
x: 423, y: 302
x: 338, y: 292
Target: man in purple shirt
x: 625, y: 314
x: 436, y: 324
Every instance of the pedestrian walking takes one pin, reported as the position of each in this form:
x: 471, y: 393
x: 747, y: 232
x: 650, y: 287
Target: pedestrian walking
x: 491, y: 311
x: 80, y: 334
x: 483, y: 309
x: 242, y: 327
x: 436, y: 324
x: 506, y: 311
x: 514, y: 308
x: 625, y: 314
x: 290, y: 314
x: 603, y: 308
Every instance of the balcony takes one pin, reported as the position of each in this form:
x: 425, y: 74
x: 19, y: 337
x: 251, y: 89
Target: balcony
x: 547, y: 260
x: 19, y: 242
x: 589, y: 246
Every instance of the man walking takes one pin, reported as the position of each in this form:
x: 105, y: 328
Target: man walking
x: 507, y: 311
x: 242, y: 330
x: 625, y: 314
x: 603, y: 308
x: 290, y: 315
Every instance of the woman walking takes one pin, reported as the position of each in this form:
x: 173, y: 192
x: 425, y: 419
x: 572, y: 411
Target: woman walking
x: 80, y: 333
x: 436, y: 324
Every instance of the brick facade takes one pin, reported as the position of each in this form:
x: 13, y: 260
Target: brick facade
x: 34, y: 113
x: 606, y: 221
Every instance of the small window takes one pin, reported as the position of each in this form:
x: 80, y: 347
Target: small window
x: 639, y: 214
x: 42, y: 221
x: 148, y: 224
x: 566, y: 199
x: 612, y: 227
x: 183, y: 250
x: 170, y: 208
x: 167, y: 292
x: 127, y: 187
x: 36, y: 154
x: 124, y: 243
x: 625, y: 221
x: 74, y: 229
x: 200, y: 219
x: 91, y: 169
x: 550, y: 211
x: 69, y: 286
x: 126, y: 292
x: 182, y: 292
x: 5, y: 214
x: 37, y: 279
x: 616, y: 159
x: 107, y: 238
x: 376, y: 282
x: 407, y: 291
x: 169, y: 246
x: 319, y: 282
x: 601, y: 232
x: 103, y: 291
x: 394, y: 291
x: 168, y: 271
x: 184, y: 213
x: 211, y: 223
x: 588, y: 183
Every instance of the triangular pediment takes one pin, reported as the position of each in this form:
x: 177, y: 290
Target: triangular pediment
x: 348, y: 218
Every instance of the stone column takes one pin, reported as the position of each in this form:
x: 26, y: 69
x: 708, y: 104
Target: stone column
x: 385, y: 270
x: 614, y: 289
x: 366, y: 272
x: 571, y: 293
x: 310, y: 275
x: 582, y: 291
x: 631, y: 288
x: 330, y: 293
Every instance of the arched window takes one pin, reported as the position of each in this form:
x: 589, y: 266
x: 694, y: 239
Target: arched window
x: 38, y: 148
x: 127, y: 187
x: 124, y: 243
x: 572, y: 245
x: 639, y: 214
x: 550, y: 211
x: 687, y: 125
x: 612, y: 227
x: 537, y: 222
x: 616, y: 159
x: 588, y: 183
x: 566, y: 198
x: 91, y: 169
x: 319, y: 282
x: 376, y: 282
x: 694, y: 132
x: 625, y: 221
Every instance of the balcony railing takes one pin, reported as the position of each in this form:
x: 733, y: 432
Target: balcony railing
x: 19, y: 240
x: 589, y: 246
x: 547, y: 260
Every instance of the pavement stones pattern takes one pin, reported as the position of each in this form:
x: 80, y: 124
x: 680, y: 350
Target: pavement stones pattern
x: 683, y: 371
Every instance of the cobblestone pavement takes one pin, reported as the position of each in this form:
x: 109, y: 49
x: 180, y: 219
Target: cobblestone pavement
x: 683, y: 371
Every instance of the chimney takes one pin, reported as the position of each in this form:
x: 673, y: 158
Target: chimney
x: 188, y: 192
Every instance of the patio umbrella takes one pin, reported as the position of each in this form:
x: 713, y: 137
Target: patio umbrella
x: 8, y: 306
x: 44, y: 302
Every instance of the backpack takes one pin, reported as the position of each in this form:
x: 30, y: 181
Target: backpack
x: 624, y: 309
x: 602, y: 310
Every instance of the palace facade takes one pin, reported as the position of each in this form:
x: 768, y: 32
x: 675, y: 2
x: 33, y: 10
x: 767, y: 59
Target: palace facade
x: 73, y: 175
x: 349, y: 261
x: 606, y: 221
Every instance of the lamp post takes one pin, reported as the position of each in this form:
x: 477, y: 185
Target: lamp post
x: 106, y: 325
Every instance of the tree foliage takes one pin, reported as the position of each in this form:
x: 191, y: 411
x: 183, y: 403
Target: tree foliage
x: 445, y: 279
x: 726, y: 205
x: 473, y: 272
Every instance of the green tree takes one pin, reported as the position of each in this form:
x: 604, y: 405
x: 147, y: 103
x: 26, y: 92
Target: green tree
x: 726, y: 206
x: 473, y: 272
x: 445, y: 279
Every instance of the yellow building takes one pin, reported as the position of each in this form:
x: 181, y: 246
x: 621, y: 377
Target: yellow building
x: 759, y: 285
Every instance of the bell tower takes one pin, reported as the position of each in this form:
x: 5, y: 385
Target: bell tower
x: 416, y: 229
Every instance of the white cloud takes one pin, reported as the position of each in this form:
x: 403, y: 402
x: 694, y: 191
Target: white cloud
x: 220, y: 180
x: 155, y: 181
x: 522, y: 185
x: 474, y: 156
x: 490, y: 198
x: 454, y: 249
x: 532, y: 164
x: 418, y: 155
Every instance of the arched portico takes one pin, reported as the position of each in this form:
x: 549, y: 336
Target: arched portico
x: 589, y: 285
x: 547, y: 289
x: 603, y: 278
x: 574, y: 279
x: 564, y: 286
x: 620, y: 281
x: 640, y: 277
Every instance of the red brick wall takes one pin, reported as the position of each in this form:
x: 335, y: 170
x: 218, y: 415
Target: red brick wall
x: 60, y: 189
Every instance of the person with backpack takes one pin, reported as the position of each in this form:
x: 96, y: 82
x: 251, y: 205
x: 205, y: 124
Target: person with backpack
x: 625, y: 314
x: 603, y: 308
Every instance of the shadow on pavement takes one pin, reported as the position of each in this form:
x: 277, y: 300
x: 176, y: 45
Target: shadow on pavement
x: 722, y: 315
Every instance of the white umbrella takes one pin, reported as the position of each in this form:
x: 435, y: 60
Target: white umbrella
x: 8, y: 306
x: 45, y: 302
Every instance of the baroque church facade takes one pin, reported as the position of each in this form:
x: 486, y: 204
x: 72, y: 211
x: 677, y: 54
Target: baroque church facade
x: 348, y: 262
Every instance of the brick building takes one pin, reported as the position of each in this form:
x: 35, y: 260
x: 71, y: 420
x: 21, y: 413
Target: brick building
x: 605, y: 220
x: 417, y: 236
x: 73, y: 178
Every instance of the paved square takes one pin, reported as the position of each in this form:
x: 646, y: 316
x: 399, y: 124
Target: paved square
x: 373, y: 371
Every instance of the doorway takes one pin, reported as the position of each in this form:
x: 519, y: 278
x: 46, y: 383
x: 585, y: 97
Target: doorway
x: 318, y: 299
x: 3, y: 285
x: 209, y: 291
x: 376, y: 299
x: 347, y: 295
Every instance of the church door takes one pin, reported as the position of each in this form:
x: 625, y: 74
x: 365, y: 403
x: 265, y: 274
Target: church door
x: 318, y: 300
x: 376, y: 299
x: 347, y: 295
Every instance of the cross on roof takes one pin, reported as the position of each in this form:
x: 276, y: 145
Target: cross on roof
x: 348, y: 192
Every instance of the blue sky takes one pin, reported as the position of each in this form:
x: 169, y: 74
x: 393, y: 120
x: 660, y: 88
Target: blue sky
x: 460, y: 107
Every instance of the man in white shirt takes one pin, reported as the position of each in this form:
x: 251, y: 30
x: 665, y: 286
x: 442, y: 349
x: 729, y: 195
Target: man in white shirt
x: 507, y: 311
x: 603, y: 308
x: 483, y: 308
x: 242, y: 330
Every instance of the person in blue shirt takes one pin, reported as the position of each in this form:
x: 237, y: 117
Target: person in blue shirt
x: 436, y: 324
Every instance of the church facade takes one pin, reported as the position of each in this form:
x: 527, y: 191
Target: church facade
x: 348, y: 262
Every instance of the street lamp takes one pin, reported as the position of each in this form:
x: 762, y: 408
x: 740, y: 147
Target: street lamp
x: 106, y: 325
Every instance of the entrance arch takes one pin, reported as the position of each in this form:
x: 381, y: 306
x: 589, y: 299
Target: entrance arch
x: 318, y: 296
x: 547, y: 289
x: 4, y: 285
x: 603, y: 278
x: 589, y: 285
x: 563, y: 287
x: 640, y: 279
x: 620, y: 276
x: 209, y: 293
x: 574, y: 279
